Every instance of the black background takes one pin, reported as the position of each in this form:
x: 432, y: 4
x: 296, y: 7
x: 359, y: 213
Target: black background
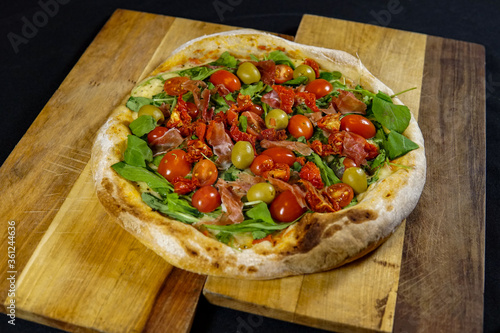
x: 32, y: 74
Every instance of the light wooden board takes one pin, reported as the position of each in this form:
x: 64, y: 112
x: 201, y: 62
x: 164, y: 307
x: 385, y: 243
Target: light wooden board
x: 360, y: 296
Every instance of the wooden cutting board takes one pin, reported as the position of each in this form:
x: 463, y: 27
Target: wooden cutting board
x: 77, y: 270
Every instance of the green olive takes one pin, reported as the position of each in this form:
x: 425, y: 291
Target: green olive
x: 248, y: 73
x: 153, y: 111
x: 356, y: 178
x: 261, y: 191
x: 304, y: 70
x: 242, y: 155
x: 277, y: 119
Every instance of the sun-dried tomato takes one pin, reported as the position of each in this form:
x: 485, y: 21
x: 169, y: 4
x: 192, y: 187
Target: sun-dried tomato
x: 311, y: 173
x: 196, y: 150
x: 307, y: 98
x: 272, y: 134
x: 315, y: 200
x: 200, y: 130
x: 301, y: 160
x: 287, y: 97
x: 184, y: 185
x: 325, y: 149
x: 372, y: 150
x: 180, y: 118
x: 313, y: 64
x: 238, y: 135
x: 336, y: 142
x: 330, y: 123
x: 279, y: 171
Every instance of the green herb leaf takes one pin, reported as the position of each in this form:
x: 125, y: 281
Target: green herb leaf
x: 143, y: 125
x: 173, y: 207
x: 230, y: 174
x: 224, y: 237
x: 198, y: 73
x: 297, y: 81
x: 279, y: 57
x: 137, y: 152
x: 243, y: 123
x: 140, y: 174
x: 330, y: 76
x: 260, y: 212
x: 392, y: 116
x: 226, y: 60
x: 397, y: 145
x: 327, y: 174
x: 252, y: 89
x: 259, y: 234
x: 135, y: 103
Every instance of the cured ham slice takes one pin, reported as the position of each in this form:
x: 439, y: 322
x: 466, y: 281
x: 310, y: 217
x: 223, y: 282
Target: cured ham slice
x: 167, y: 142
x: 348, y: 103
x: 299, y: 147
x: 221, y: 143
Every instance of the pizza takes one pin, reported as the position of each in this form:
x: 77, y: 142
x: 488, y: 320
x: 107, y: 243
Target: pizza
x: 246, y: 155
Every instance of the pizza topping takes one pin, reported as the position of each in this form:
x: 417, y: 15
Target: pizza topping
x: 274, y: 139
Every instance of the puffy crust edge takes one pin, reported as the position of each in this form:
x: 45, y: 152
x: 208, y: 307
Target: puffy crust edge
x: 318, y: 242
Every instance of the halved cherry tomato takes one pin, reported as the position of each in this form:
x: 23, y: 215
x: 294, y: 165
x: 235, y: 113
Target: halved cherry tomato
x: 358, y: 124
x: 205, y: 172
x: 227, y: 79
x: 281, y: 155
x: 285, y: 207
x: 206, y: 199
x: 174, y: 164
x: 192, y: 110
x: 319, y: 87
x: 300, y: 125
x: 340, y: 193
x: 157, y: 133
x: 173, y: 86
x: 283, y: 73
x: 260, y: 164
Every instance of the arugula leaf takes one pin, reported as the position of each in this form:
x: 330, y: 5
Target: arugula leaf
x: 243, y: 123
x: 260, y: 212
x: 198, y: 73
x: 140, y: 174
x: 135, y: 103
x: 327, y: 174
x: 226, y: 60
x: 163, y: 97
x: 173, y: 207
x: 137, y: 152
x: 330, y: 76
x: 279, y: 57
x: 250, y: 226
x: 318, y: 135
x: 252, y: 89
x: 392, y: 116
x: 379, y: 160
x: 296, y: 81
x: 157, y: 159
x: 143, y: 125
x: 397, y: 145
x: 231, y: 173
x: 224, y: 237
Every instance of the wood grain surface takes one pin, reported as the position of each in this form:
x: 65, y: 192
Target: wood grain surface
x: 360, y: 296
x: 77, y: 270
x: 442, y: 277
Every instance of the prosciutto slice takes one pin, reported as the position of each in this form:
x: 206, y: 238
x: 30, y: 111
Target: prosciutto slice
x: 221, y: 143
x: 348, y: 103
x: 283, y: 186
x: 231, y: 201
x: 299, y: 147
x: 170, y: 140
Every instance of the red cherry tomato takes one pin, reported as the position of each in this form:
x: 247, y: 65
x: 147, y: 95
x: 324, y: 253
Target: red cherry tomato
x: 283, y: 73
x: 174, y: 164
x: 280, y: 155
x: 340, y: 193
x: 227, y: 79
x: 260, y: 164
x: 156, y: 134
x: 205, y: 172
x: 300, y: 125
x: 192, y: 110
x: 257, y: 109
x: 319, y: 87
x: 358, y: 124
x: 173, y: 86
x: 206, y: 199
x: 285, y: 207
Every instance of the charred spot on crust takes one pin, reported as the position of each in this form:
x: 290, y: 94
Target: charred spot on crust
x: 330, y: 231
x: 311, y: 235
x: 360, y: 216
x: 191, y: 251
x: 252, y: 269
x: 388, y: 194
x: 216, y: 264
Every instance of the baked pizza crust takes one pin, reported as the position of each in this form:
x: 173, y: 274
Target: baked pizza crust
x: 319, y: 241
